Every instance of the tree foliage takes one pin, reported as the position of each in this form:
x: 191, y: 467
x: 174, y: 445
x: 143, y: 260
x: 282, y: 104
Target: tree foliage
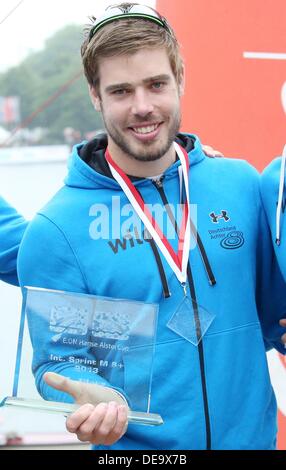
x: 43, y: 75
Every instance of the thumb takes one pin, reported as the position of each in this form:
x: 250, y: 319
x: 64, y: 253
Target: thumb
x: 283, y: 322
x: 59, y: 382
x: 84, y: 392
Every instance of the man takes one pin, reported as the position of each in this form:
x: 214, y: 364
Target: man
x: 12, y: 228
x: 212, y: 395
x: 272, y: 190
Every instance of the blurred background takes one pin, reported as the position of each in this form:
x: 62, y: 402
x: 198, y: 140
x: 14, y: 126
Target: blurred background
x: 235, y: 100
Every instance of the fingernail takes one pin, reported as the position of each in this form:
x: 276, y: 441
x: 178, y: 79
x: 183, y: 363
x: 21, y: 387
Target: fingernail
x: 112, y: 404
x: 122, y: 408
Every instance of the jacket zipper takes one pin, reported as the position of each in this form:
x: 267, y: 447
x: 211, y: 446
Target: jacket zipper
x: 159, y: 186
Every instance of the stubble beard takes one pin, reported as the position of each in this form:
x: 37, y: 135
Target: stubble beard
x: 146, y: 154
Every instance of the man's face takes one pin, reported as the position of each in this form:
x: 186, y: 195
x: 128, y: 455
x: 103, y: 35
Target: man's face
x: 140, y: 103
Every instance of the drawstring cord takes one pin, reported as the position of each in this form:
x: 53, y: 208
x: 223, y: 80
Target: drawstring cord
x: 202, y: 251
x: 280, y: 197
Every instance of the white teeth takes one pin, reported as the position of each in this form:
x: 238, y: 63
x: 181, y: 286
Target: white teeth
x: 145, y: 130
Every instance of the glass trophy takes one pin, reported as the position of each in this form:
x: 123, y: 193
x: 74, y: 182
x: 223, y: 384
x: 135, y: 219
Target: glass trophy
x: 95, y: 341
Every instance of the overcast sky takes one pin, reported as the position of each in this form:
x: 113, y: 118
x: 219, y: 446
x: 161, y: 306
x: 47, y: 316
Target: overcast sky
x: 24, y: 25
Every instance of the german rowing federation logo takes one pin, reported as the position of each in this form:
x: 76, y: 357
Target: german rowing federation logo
x: 232, y: 241
x: 216, y: 217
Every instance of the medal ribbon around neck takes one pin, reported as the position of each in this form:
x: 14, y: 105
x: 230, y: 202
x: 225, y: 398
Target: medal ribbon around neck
x: 178, y: 262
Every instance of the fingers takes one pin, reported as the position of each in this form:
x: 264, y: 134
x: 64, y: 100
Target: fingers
x: 119, y: 428
x: 76, y: 419
x: 55, y: 380
x: 283, y: 322
x: 210, y: 152
x: 103, y: 424
x: 83, y: 392
x: 59, y: 382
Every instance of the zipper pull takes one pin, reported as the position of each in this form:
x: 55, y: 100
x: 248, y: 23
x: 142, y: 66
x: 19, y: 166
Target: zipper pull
x: 159, y: 181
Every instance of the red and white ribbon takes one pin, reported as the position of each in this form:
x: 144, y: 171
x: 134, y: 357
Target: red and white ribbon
x: 178, y: 262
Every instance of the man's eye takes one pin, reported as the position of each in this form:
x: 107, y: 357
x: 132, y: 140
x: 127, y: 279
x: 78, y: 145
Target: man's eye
x: 120, y: 91
x: 158, y: 85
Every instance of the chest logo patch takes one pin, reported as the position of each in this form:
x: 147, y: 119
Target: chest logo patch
x: 232, y: 241
x: 216, y: 217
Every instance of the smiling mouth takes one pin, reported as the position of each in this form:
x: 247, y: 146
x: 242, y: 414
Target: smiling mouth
x: 145, y: 129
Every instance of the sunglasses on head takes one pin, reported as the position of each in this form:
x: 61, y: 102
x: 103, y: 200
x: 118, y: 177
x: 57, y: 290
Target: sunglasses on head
x: 113, y: 13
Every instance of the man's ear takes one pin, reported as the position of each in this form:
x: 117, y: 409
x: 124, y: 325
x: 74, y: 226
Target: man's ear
x: 95, y: 98
x: 182, y: 82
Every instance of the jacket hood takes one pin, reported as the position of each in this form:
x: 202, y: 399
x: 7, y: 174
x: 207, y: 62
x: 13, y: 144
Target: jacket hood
x: 88, y: 169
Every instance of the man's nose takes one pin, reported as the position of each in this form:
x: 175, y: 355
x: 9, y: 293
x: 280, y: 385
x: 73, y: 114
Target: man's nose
x: 142, y: 104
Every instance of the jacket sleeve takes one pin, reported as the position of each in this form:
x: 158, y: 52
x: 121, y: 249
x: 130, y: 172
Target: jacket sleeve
x: 270, y: 289
x: 12, y: 228
x: 47, y: 260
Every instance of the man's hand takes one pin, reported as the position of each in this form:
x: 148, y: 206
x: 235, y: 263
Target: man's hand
x: 283, y: 338
x: 102, y: 418
x: 103, y: 424
x: 210, y: 152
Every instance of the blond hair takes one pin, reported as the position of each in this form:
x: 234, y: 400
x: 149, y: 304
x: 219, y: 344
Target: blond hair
x: 128, y: 36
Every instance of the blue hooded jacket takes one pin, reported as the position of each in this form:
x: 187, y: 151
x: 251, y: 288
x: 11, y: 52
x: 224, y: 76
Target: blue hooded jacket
x: 270, y: 183
x: 216, y: 395
x: 13, y: 226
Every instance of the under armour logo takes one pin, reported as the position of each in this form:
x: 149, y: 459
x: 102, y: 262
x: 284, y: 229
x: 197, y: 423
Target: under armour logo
x: 215, y: 218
